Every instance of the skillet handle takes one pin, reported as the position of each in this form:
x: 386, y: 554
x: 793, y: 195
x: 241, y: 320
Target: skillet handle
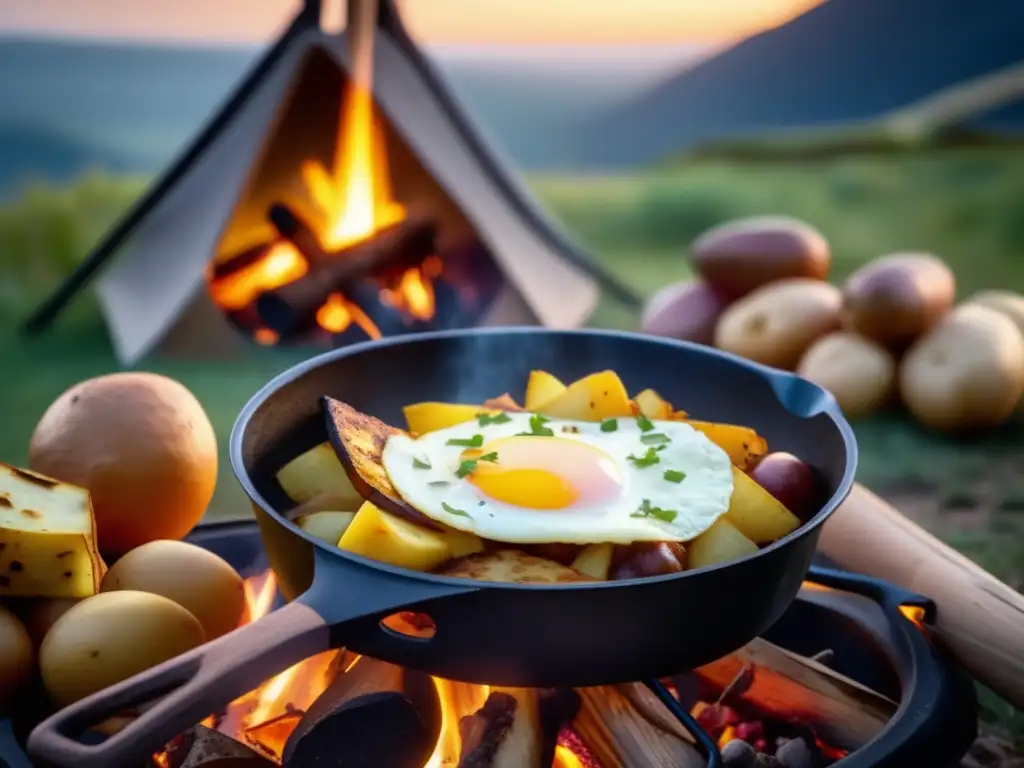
x: 193, y: 685
x: 978, y: 618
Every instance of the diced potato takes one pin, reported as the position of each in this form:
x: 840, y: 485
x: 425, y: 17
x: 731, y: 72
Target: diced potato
x: 593, y: 398
x: 512, y: 566
x: 327, y: 526
x: 387, y: 538
x: 318, y: 471
x: 595, y: 560
x: 756, y: 513
x: 720, y: 543
x: 430, y: 417
x: 653, y: 406
x: 541, y: 389
x: 48, y: 545
x: 743, y: 444
x: 461, y: 543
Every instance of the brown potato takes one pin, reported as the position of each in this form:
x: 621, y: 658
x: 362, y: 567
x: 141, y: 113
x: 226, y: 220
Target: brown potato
x: 776, y: 324
x: 741, y: 256
x: 860, y: 373
x: 790, y: 481
x: 967, y: 373
x: 896, y: 298
x: 16, y: 656
x: 688, y: 310
x: 647, y: 558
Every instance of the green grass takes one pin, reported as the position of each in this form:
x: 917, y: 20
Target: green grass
x: 966, y: 205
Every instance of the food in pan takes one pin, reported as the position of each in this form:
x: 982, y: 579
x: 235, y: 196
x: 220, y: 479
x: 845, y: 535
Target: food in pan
x: 584, y: 483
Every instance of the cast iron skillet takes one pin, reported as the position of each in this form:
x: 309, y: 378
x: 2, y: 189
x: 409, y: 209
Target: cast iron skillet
x: 505, y: 634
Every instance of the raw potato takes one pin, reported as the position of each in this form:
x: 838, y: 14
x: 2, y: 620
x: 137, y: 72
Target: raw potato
x: 860, y: 373
x: 541, y: 389
x: 43, y: 614
x: 48, y: 542
x: 756, y: 513
x: 511, y: 566
x: 318, y: 473
x: 390, y: 539
x: 327, y: 526
x: 777, y: 323
x: 430, y: 417
x: 193, y: 577
x: 743, y: 444
x: 896, y: 298
x: 688, y: 310
x: 967, y: 373
x: 720, y: 543
x: 653, y: 406
x: 593, y: 398
x: 740, y: 256
x: 143, y: 447
x: 110, y: 637
x: 1006, y: 302
x: 16, y: 657
x: 595, y: 560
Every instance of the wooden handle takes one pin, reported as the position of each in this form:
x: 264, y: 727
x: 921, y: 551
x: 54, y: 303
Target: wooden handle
x: 979, y: 618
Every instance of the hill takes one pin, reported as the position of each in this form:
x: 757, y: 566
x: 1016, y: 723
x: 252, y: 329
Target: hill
x: 841, y: 62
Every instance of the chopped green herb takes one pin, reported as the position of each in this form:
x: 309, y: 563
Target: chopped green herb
x: 420, y: 463
x: 647, y: 510
x: 644, y: 423
x: 648, y: 459
x: 491, y: 457
x: 537, y: 428
x: 453, y: 511
x: 654, y: 438
x: 674, y: 475
x: 484, y: 419
x: 466, y: 468
x: 471, y: 442
x: 609, y: 425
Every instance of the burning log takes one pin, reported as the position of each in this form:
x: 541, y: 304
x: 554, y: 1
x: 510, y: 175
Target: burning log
x: 289, y: 307
x: 223, y: 269
x: 204, y: 747
x: 375, y: 712
x: 792, y: 688
x: 616, y: 734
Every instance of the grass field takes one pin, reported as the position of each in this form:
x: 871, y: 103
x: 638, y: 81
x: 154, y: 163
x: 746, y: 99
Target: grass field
x: 966, y: 205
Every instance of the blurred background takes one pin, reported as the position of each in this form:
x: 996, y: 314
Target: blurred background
x: 887, y: 125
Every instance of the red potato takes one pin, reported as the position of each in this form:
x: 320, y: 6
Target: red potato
x: 790, y: 481
x: 647, y: 558
x: 740, y: 256
x: 688, y: 310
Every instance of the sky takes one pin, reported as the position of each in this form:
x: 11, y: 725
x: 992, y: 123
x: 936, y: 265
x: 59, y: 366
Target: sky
x: 441, y: 22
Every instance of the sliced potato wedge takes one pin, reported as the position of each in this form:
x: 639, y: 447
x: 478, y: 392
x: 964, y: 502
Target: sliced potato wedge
x: 756, y: 513
x: 720, y: 543
x: 595, y: 397
x: 744, y: 446
x: 430, y: 417
x: 654, y: 406
x: 541, y: 389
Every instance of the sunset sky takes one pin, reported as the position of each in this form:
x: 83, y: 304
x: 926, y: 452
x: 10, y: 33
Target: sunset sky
x: 450, y: 22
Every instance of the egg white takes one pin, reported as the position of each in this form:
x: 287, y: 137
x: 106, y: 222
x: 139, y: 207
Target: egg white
x: 423, y: 471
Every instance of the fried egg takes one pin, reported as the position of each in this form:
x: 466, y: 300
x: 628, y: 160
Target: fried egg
x: 522, y: 478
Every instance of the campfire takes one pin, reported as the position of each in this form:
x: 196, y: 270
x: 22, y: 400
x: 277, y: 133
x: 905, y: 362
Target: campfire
x: 338, y: 708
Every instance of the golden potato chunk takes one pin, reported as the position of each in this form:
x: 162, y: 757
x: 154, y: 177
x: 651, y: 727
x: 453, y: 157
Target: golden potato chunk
x: 595, y: 560
x: 720, y: 543
x: 387, y: 538
x: 327, y: 526
x: 743, y: 444
x: 756, y: 513
x: 593, y: 398
x: 541, y: 389
x: 318, y: 472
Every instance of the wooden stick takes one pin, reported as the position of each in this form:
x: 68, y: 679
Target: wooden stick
x: 793, y: 688
x: 979, y: 618
x: 204, y: 747
x: 505, y: 732
x: 620, y: 737
x: 375, y: 710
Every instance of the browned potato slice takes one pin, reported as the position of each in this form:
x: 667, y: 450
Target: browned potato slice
x: 512, y: 566
x: 359, y: 440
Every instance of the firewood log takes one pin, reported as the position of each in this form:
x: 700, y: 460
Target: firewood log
x: 204, y: 747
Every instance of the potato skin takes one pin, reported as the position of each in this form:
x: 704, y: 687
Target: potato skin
x: 16, y: 657
x: 860, y: 373
x: 739, y: 256
x: 896, y: 298
x: 967, y: 373
x: 688, y: 310
x: 777, y: 323
x: 1006, y: 302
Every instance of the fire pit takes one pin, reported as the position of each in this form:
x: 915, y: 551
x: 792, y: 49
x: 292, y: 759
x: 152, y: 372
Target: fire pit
x: 341, y: 194
x: 835, y: 682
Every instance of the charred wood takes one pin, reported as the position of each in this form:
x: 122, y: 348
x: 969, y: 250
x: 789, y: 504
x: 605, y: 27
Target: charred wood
x: 204, y: 747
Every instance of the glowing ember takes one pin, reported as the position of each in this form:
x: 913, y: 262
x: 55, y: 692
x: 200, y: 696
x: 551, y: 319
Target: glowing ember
x: 338, y: 313
x: 282, y: 264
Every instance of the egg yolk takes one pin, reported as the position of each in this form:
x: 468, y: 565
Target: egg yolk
x: 545, y: 473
